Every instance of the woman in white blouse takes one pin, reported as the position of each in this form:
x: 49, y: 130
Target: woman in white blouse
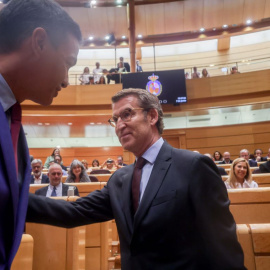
x: 240, y: 175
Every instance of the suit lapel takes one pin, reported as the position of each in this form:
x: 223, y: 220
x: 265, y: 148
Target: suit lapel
x: 126, y: 191
x: 157, y: 176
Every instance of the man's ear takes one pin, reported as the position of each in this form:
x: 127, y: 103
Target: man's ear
x: 153, y: 116
x: 39, y: 41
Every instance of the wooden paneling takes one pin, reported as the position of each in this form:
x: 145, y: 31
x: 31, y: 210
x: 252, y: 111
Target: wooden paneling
x: 212, y: 13
x: 224, y: 43
x: 193, y: 11
x: 174, y: 24
x: 253, y: 10
x: 155, y: 19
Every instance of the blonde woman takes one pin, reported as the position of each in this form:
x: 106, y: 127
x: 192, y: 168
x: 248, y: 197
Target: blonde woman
x: 240, y: 175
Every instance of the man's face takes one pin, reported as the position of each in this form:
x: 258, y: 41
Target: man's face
x: 121, y: 59
x: 258, y: 153
x: 55, y: 175
x: 50, y: 73
x: 135, y: 135
x: 245, y: 155
x: 36, y: 169
x: 97, y: 64
x: 227, y: 156
x: 57, y: 160
x: 119, y: 161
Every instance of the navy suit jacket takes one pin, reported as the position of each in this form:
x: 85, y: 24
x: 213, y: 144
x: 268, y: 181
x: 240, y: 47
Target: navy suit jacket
x: 43, y: 191
x: 183, y: 220
x: 44, y: 179
x: 252, y: 163
x: 13, y: 191
x: 265, y: 167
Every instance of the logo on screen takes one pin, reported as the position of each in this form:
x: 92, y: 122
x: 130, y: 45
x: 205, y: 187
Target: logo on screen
x: 154, y: 86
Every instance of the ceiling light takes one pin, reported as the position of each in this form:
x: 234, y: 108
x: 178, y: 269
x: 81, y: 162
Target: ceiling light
x: 123, y: 37
x: 39, y: 124
x: 47, y: 124
x: 214, y: 29
x: 91, y: 38
x: 92, y: 123
x: 139, y: 36
x: 224, y: 26
x: 70, y: 124
x: 99, y: 123
x: 202, y: 29
x: 249, y: 21
x: 107, y: 37
x: 119, y: 1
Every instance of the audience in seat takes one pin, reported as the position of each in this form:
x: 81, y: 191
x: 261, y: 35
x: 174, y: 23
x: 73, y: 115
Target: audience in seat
x: 95, y: 163
x: 234, y: 70
x: 55, y: 188
x: 240, y: 175
x: 109, y: 164
x: 195, y: 74
x: 171, y: 207
x: 38, y: 177
x: 120, y: 162
x: 123, y: 64
x: 258, y: 155
x: 77, y: 173
x: 220, y: 169
x: 244, y: 153
x: 187, y: 76
x: 58, y: 160
x: 268, y: 154
x: 56, y: 152
x: 101, y: 80
x: 138, y: 67
x: 113, y: 75
x: 217, y: 156
x: 265, y: 167
x: 97, y: 72
x: 205, y: 73
x: 85, y: 77
x: 226, y: 158
x: 85, y: 164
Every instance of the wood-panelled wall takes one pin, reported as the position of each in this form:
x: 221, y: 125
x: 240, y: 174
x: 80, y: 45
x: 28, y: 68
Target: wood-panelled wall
x: 230, y: 138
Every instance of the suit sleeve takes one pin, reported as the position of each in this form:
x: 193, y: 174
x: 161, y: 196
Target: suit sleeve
x: 213, y: 218
x: 87, y: 210
x: 76, y: 192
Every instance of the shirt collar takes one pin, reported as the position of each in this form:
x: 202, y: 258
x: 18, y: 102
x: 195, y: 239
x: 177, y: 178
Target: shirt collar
x: 151, y: 153
x: 51, y: 187
x: 7, y: 98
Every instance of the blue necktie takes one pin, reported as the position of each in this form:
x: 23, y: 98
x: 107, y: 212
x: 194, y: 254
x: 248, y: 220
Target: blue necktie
x: 53, y: 192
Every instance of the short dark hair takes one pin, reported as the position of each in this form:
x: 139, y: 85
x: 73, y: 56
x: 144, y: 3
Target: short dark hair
x: 19, y: 18
x: 146, y: 100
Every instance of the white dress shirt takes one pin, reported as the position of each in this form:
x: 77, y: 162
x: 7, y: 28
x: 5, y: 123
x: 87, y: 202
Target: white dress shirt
x: 58, y: 190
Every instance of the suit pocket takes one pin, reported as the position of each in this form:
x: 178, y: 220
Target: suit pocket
x: 164, y: 198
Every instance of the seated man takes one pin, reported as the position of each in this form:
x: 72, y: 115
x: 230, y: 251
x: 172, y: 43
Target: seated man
x: 220, y: 169
x: 258, y: 155
x: 226, y: 158
x: 120, y: 162
x: 38, y: 177
x: 56, y: 188
x: 58, y: 160
x: 244, y: 153
x: 265, y: 167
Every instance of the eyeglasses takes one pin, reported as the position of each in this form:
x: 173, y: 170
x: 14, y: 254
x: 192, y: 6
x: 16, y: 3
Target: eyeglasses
x: 125, y: 116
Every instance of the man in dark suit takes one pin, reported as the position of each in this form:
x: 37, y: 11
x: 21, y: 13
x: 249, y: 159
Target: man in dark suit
x: 138, y: 67
x: 265, y: 167
x: 56, y: 188
x: 125, y: 64
x: 258, y: 155
x: 244, y: 153
x: 39, y: 42
x: 171, y: 207
x: 38, y: 177
x: 226, y: 158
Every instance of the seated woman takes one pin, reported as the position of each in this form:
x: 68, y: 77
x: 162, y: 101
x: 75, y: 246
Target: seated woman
x: 85, y: 77
x: 56, y: 152
x: 85, y: 164
x: 95, y: 163
x: 77, y: 173
x: 240, y: 175
x: 217, y: 156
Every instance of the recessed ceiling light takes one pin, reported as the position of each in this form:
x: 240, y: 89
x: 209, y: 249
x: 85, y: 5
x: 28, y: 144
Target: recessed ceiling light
x: 139, y: 36
x: 225, y: 26
x: 92, y: 123
x: 123, y: 37
x: 107, y: 37
x: 91, y: 38
x: 70, y: 124
x: 249, y: 21
x: 214, y: 29
x: 202, y: 29
x: 39, y: 124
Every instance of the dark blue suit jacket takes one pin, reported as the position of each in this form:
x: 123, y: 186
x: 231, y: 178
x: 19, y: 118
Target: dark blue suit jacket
x: 252, y: 163
x: 183, y: 220
x: 44, y: 179
x: 13, y: 192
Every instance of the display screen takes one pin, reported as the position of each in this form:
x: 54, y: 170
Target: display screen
x: 169, y: 86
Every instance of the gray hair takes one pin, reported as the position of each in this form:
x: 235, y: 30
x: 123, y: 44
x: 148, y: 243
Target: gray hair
x: 36, y: 161
x: 71, y: 176
x: 146, y: 100
x: 244, y: 150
